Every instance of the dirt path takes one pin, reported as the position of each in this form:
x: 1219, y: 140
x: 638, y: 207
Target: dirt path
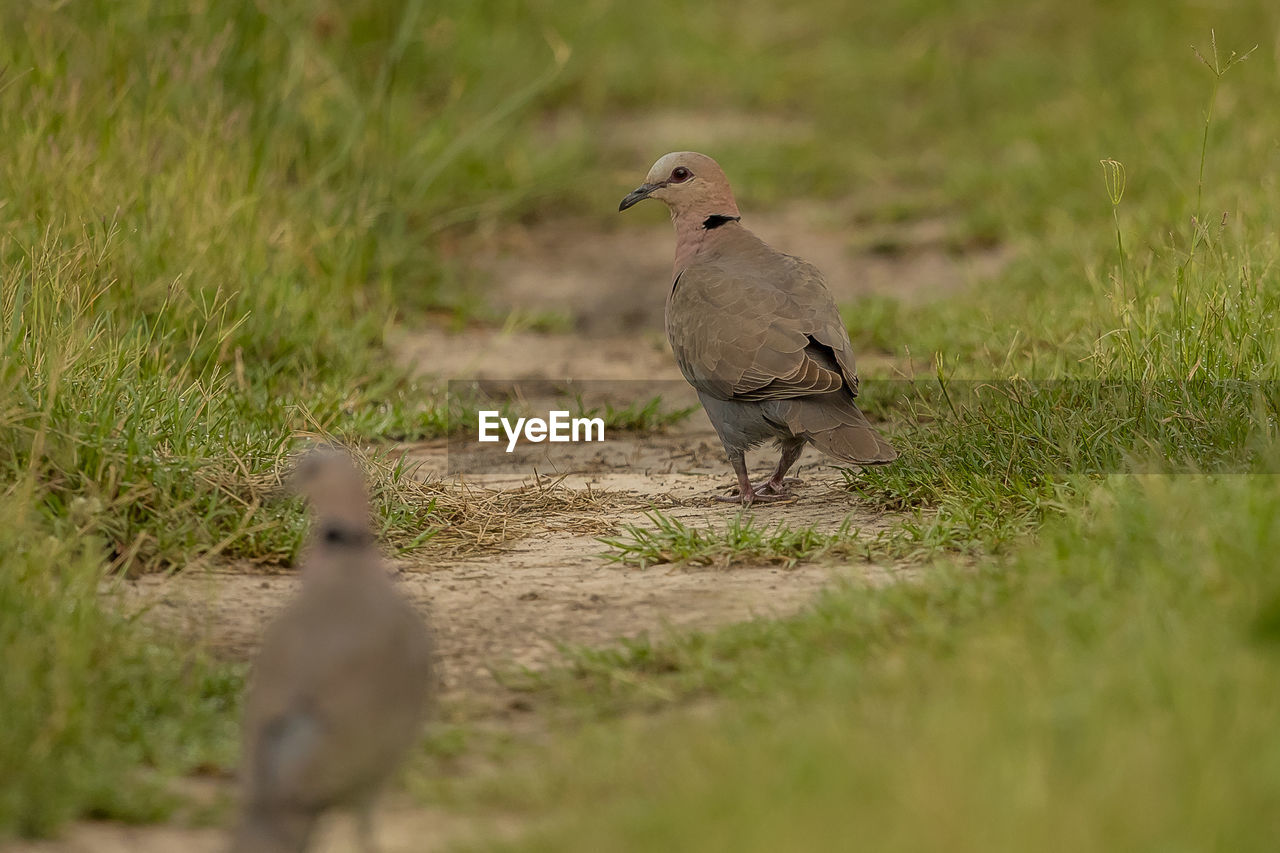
x: 515, y: 605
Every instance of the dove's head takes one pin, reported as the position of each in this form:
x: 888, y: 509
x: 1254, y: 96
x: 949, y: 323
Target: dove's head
x: 692, y: 185
x: 334, y: 485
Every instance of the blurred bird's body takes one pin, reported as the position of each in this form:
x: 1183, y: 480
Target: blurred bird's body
x: 341, y: 686
x: 755, y: 332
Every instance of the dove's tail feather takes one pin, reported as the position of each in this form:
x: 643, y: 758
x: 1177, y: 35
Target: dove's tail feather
x: 834, y: 424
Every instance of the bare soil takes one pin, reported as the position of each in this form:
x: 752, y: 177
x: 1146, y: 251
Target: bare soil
x: 516, y: 604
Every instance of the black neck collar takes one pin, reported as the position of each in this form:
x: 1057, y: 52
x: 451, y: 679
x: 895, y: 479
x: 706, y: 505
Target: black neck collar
x: 344, y: 535
x: 718, y: 219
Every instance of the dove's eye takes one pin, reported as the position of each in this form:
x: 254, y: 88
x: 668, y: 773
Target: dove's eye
x: 680, y: 174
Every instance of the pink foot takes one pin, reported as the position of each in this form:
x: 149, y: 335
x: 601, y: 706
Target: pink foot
x: 752, y: 497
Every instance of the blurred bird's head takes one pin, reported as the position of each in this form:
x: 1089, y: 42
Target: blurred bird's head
x: 334, y: 485
x: 692, y: 185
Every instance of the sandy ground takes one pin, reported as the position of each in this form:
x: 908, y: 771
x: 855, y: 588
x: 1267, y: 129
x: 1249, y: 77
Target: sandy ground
x: 516, y: 604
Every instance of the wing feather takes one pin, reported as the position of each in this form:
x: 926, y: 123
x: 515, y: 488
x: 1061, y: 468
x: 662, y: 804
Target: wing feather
x: 748, y: 323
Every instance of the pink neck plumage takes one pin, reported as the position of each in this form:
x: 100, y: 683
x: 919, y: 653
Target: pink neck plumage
x: 692, y: 233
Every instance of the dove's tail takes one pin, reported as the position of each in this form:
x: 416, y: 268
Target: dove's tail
x: 834, y: 424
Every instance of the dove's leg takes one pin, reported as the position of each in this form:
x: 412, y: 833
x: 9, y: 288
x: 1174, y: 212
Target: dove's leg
x: 747, y: 493
x: 778, y: 481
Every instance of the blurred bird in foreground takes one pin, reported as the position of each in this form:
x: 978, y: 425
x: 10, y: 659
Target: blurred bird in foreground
x: 756, y: 333
x: 342, y: 684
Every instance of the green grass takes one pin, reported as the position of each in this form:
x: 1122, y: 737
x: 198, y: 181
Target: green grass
x: 213, y: 215
x: 1111, y: 687
x: 98, y: 713
x: 743, y: 539
x: 202, y: 256
x: 210, y: 219
x: 1166, y: 361
x: 638, y: 416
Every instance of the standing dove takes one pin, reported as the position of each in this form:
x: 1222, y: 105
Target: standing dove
x: 755, y: 332
x: 343, y: 681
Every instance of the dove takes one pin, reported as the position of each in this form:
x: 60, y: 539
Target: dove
x: 756, y: 333
x: 343, y: 682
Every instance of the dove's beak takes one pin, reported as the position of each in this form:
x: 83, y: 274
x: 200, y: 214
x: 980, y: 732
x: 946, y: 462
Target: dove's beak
x: 637, y: 195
